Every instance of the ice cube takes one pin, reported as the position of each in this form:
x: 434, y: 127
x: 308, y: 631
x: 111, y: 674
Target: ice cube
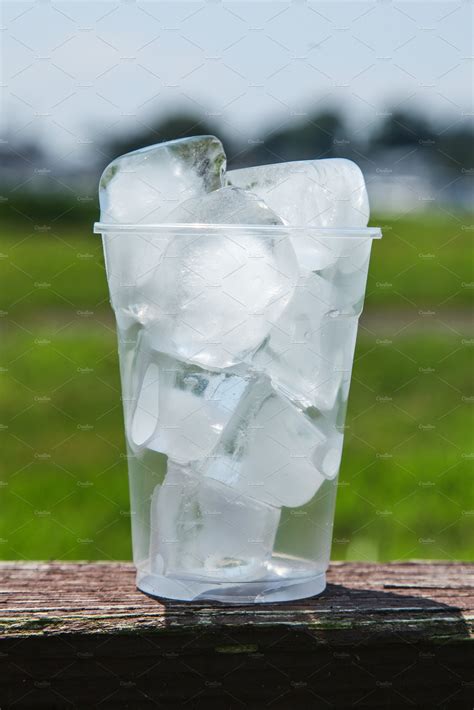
x: 145, y: 417
x: 328, y: 453
x: 318, y: 252
x: 132, y: 262
x: 309, y: 350
x: 323, y: 193
x: 144, y: 186
x: 183, y: 409
x: 226, y: 287
x: 342, y: 284
x: 201, y: 528
x: 269, y: 451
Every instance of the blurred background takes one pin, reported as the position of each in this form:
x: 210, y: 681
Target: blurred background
x: 388, y: 86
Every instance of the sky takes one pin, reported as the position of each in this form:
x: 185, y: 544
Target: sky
x: 77, y: 72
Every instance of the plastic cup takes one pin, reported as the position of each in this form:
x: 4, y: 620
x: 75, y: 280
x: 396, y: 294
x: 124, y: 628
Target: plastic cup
x: 234, y: 409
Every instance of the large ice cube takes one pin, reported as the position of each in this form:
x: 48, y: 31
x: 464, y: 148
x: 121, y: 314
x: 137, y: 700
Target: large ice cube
x: 320, y: 193
x: 225, y: 288
x: 323, y: 193
x: 269, y: 451
x: 201, y: 528
x: 308, y: 353
x: 144, y: 186
x: 182, y: 409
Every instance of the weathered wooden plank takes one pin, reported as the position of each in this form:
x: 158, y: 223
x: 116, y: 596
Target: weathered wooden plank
x: 382, y: 635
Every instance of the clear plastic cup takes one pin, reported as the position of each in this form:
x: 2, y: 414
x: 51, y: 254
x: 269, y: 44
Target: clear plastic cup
x: 236, y: 345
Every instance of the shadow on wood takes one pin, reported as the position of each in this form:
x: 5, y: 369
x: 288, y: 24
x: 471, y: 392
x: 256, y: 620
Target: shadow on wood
x: 79, y: 635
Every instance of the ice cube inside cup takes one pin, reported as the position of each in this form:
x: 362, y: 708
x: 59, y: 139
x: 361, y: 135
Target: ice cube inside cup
x: 237, y: 296
x: 202, y: 527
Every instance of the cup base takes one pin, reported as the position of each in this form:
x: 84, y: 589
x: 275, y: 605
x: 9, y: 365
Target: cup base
x: 287, y: 582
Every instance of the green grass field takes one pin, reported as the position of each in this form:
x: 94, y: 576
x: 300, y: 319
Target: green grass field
x: 406, y: 481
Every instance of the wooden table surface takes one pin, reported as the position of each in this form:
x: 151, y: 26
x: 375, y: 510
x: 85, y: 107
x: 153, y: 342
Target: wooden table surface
x: 391, y: 635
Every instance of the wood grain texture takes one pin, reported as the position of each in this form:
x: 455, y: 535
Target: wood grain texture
x: 392, y: 635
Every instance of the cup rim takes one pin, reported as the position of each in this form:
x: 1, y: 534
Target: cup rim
x: 105, y: 228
